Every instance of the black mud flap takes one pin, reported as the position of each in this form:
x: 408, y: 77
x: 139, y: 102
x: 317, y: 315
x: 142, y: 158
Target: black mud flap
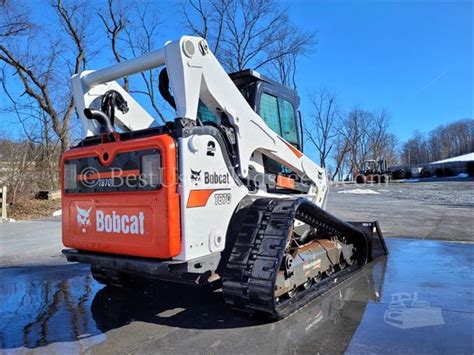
x: 377, y: 246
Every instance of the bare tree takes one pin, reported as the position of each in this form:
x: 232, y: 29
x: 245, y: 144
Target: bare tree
x: 14, y: 20
x: 253, y: 34
x: 210, y: 20
x: 340, y: 151
x: 443, y: 142
x: 115, y: 21
x: 383, y: 144
x: 357, y: 134
x: 36, y: 81
x: 293, y: 44
x: 18, y: 160
x: 320, y: 132
x: 140, y: 39
x: 37, y: 70
x: 415, y: 151
x: 363, y: 135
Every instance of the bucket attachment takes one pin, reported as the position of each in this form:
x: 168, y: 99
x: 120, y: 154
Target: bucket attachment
x: 376, y: 241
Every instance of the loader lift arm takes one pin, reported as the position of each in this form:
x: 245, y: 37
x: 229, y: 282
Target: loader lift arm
x: 195, y: 75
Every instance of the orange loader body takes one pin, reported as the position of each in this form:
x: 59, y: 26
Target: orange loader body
x: 133, y: 223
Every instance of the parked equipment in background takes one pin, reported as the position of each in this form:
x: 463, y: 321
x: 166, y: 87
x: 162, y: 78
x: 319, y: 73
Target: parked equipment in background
x: 48, y: 195
x: 221, y: 194
x: 373, y: 171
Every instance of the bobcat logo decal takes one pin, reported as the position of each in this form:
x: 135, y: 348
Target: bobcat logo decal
x: 195, y: 176
x: 83, y: 217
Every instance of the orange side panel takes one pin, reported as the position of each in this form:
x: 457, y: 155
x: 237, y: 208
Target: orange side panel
x: 285, y: 182
x: 136, y: 223
x: 199, y: 198
x: 292, y: 148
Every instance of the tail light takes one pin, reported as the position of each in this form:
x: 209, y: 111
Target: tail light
x: 151, y: 173
x: 70, y: 176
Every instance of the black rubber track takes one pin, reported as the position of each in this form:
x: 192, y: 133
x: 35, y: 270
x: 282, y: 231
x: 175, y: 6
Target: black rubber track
x: 251, y: 271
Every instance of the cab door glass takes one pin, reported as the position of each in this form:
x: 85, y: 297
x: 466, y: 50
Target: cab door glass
x: 288, y: 121
x: 269, y: 112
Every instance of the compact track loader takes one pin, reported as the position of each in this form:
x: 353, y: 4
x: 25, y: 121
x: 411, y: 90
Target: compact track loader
x: 221, y: 194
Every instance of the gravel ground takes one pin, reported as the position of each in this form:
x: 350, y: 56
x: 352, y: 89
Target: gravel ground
x: 434, y: 210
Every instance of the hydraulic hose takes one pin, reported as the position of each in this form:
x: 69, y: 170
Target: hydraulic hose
x: 105, y: 126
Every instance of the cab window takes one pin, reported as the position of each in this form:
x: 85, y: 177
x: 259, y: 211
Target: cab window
x: 205, y: 115
x: 279, y: 114
x: 269, y: 112
x: 288, y: 121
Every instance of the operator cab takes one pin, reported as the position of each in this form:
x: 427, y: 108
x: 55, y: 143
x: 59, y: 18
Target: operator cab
x: 274, y: 102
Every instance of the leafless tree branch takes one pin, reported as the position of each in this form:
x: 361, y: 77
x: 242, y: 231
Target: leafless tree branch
x: 114, y: 24
x: 253, y: 34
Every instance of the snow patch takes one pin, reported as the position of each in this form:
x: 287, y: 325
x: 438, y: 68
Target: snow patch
x: 463, y: 175
x: 465, y: 157
x: 57, y: 213
x: 408, y: 180
x: 359, y: 192
x: 8, y: 220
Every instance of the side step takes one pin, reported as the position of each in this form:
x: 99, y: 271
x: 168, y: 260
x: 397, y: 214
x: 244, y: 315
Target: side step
x: 376, y: 241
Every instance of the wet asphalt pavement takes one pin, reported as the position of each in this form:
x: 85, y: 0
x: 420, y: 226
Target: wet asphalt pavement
x: 410, y: 302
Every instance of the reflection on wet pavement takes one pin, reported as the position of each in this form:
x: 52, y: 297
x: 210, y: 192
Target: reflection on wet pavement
x: 412, y: 301
x: 47, y: 305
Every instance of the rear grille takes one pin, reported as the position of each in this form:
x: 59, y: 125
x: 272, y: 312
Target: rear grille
x: 123, y: 173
